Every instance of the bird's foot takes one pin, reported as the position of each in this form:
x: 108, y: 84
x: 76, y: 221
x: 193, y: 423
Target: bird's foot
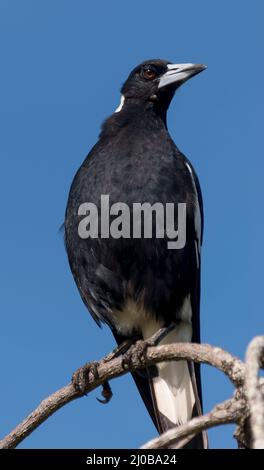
x: 81, y: 378
x: 136, y: 351
x: 106, y: 393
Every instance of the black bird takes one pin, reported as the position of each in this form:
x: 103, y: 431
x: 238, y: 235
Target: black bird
x: 139, y: 285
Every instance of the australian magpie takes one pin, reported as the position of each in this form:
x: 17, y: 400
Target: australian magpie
x: 137, y: 284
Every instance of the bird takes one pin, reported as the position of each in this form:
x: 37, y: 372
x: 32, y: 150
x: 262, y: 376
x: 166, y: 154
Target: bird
x: 137, y: 285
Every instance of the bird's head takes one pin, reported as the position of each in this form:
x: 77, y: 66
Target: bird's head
x: 154, y: 82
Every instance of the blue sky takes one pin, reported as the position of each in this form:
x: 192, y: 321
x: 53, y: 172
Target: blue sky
x: 62, y: 65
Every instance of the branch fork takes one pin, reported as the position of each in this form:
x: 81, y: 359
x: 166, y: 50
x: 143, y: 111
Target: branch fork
x: 246, y: 408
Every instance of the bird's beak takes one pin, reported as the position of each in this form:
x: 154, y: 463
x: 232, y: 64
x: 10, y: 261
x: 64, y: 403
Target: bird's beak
x: 179, y: 73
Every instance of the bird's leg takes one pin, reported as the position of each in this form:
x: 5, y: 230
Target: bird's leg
x: 121, y: 349
x: 161, y: 334
x: 81, y: 378
x: 130, y: 348
x: 139, y: 349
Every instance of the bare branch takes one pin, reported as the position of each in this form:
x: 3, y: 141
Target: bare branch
x: 203, y: 353
x: 227, y: 412
x: 110, y: 367
x: 254, y: 391
x: 46, y: 408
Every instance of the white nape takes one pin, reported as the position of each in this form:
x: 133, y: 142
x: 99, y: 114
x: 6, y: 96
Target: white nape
x: 118, y: 109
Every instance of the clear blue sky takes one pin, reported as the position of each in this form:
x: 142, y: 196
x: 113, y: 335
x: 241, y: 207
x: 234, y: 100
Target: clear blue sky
x: 62, y: 65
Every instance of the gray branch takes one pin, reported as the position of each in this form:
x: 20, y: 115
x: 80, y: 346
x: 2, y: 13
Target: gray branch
x: 111, y: 367
x: 227, y: 412
x: 254, y: 391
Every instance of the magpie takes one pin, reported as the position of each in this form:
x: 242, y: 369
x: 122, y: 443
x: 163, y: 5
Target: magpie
x: 137, y: 285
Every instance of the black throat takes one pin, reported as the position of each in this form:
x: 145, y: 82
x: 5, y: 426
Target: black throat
x: 137, y: 113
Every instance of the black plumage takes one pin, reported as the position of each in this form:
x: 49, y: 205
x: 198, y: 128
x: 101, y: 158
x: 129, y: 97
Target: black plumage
x: 139, y: 285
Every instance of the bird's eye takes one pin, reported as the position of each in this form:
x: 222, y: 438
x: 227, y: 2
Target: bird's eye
x: 149, y: 73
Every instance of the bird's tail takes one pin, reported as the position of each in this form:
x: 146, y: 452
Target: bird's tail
x: 175, y: 395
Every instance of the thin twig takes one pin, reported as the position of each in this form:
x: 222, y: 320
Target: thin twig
x: 227, y: 412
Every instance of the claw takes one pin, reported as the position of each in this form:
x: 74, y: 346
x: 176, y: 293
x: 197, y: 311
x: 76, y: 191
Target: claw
x: 106, y: 393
